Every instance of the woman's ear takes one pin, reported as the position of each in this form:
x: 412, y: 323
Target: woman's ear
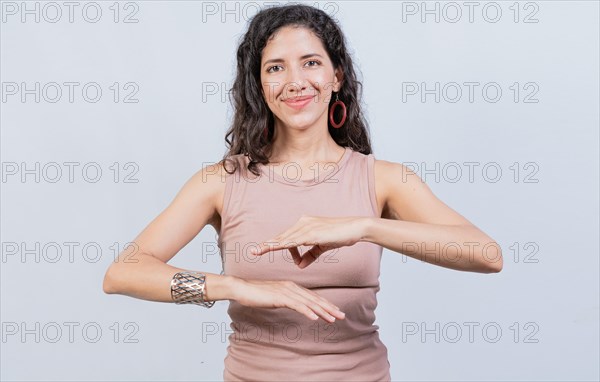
x: 339, y: 79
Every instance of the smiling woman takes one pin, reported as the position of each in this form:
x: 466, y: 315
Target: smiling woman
x: 299, y: 172
x: 292, y: 64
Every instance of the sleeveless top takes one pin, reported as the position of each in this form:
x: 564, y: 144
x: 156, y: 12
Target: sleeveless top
x: 283, y: 344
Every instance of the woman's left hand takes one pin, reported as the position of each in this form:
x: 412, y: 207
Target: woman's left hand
x: 323, y: 233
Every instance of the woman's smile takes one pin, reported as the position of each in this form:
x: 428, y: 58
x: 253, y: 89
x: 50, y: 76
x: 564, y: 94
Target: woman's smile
x: 298, y: 103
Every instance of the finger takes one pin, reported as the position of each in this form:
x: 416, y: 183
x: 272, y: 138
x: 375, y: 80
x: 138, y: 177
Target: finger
x: 332, y: 309
x: 316, y: 303
x: 276, y: 242
x: 299, y: 306
x: 295, y: 255
x: 307, y: 259
x: 320, y: 306
x: 265, y: 246
x: 311, y: 255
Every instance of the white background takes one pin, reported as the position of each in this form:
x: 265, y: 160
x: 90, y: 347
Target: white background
x: 544, y: 215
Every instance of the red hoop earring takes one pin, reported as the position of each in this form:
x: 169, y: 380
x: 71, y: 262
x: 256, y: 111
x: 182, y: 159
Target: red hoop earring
x: 336, y: 103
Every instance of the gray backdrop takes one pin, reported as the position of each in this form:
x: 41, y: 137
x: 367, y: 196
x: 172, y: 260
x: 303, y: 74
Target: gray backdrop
x: 109, y: 107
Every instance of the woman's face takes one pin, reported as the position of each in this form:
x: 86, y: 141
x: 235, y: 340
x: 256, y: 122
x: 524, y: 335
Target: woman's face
x: 294, y: 63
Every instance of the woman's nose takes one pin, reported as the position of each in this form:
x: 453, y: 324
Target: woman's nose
x: 296, y: 81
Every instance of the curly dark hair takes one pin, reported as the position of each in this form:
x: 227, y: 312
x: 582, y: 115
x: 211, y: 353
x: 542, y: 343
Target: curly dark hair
x: 251, y: 112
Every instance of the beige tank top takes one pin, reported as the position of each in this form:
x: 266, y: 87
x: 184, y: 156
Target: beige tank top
x: 282, y: 344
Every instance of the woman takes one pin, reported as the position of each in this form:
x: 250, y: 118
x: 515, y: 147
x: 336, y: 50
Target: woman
x: 299, y: 172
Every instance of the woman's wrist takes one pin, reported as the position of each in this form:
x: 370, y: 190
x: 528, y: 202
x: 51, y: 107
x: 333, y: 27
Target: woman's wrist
x: 221, y: 287
x: 367, y: 228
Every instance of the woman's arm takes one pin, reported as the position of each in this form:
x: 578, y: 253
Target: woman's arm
x: 416, y: 223
x: 141, y: 271
x: 150, y: 279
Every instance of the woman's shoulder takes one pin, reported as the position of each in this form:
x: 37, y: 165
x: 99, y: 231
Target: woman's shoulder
x: 389, y: 170
x: 212, y: 176
x: 392, y: 175
x: 211, y: 181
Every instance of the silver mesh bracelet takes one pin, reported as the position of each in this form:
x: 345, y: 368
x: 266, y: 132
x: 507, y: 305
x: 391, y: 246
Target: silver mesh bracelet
x: 188, y: 288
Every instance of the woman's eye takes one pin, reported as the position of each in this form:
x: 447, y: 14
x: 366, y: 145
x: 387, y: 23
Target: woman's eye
x: 271, y: 67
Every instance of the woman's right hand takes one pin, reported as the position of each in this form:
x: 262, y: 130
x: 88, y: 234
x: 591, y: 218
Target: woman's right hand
x: 285, y: 294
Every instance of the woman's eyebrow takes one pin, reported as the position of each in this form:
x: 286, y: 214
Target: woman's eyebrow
x: 301, y: 58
